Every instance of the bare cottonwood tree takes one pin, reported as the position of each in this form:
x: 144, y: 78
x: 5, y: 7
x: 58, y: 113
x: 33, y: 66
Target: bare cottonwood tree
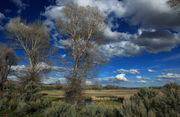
x: 34, y: 40
x: 7, y: 59
x: 83, y: 28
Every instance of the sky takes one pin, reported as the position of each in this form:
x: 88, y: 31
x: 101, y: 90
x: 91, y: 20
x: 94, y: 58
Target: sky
x: 143, y: 47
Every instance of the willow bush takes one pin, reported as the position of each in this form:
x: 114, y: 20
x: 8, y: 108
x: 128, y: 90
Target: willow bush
x: 130, y: 108
x: 31, y: 100
x: 61, y: 110
x: 98, y: 110
x: 168, y: 105
x: 23, y: 103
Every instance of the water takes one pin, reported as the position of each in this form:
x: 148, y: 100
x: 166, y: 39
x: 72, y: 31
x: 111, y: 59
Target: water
x: 87, y: 101
x: 114, y: 99
x: 91, y: 101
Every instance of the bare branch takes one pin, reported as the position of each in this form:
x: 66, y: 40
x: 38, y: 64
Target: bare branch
x: 34, y: 40
x: 7, y: 59
x: 83, y: 27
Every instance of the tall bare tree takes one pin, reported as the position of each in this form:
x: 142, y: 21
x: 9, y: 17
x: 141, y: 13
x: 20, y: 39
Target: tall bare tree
x: 7, y: 59
x: 34, y: 40
x: 83, y: 28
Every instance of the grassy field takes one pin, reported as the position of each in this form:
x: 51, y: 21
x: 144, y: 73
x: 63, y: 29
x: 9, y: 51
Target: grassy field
x: 95, y: 93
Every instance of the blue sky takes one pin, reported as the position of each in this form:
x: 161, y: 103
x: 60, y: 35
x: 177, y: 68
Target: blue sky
x: 143, y: 38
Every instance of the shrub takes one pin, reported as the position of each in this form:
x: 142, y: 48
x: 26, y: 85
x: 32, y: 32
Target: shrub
x: 168, y: 105
x: 98, y: 110
x: 92, y: 110
x: 145, y: 93
x: 3, y: 104
x: 32, y: 101
x: 8, y: 101
x: 31, y: 92
x: 23, y: 108
x: 171, y: 90
x: 58, y: 85
x: 45, y: 103
x: 13, y: 103
x: 146, y: 97
x: 130, y: 108
x: 61, y: 110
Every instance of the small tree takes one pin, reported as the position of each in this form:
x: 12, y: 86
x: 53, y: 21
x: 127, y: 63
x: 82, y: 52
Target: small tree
x: 111, y: 87
x: 96, y: 85
x: 83, y: 27
x: 58, y: 85
x: 34, y: 40
x: 7, y: 59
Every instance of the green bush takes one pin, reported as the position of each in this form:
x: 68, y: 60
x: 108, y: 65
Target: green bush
x: 98, y: 110
x: 61, y: 110
x: 13, y: 103
x: 92, y: 110
x: 23, y: 108
x: 130, y: 108
x: 171, y: 90
x: 3, y: 104
x: 9, y: 101
x: 168, y: 105
x: 146, y: 96
x: 145, y: 93
x: 31, y: 100
x: 31, y: 92
x: 45, y: 103
x: 27, y: 103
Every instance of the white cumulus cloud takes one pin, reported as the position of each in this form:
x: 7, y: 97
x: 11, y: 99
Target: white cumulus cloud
x: 169, y: 75
x: 131, y: 71
x: 142, y: 81
x: 151, y: 70
x: 121, y: 77
x: 139, y: 77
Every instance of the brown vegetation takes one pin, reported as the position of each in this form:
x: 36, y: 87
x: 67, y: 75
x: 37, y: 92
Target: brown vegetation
x: 7, y: 59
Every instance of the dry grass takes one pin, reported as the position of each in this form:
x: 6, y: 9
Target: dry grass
x: 117, y: 93
x: 90, y: 93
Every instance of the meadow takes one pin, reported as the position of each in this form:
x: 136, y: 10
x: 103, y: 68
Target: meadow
x: 38, y: 101
x: 88, y: 93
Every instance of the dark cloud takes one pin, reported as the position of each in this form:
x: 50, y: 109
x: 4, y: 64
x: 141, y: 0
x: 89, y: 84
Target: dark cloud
x: 2, y: 17
x: 21, y: 5
x: 157, y: 41
x: 152, y: 41
x: 156, y: 34
x: 154, y: 13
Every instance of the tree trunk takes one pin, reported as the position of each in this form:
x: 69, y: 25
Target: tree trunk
x: 1, y: 87
x: 73, y: 91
